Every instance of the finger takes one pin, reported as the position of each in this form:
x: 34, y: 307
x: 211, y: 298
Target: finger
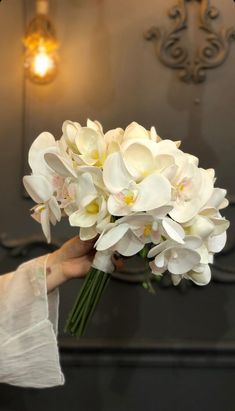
x: 75, y: 247
x: 78, y: 267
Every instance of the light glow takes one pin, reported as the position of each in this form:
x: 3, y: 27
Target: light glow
x: 43, y: 63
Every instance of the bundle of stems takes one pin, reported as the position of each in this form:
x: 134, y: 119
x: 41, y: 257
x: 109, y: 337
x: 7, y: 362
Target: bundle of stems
x: 87, y: 300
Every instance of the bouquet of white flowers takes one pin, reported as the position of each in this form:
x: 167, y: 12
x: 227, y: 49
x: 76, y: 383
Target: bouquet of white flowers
x: 136, y: 194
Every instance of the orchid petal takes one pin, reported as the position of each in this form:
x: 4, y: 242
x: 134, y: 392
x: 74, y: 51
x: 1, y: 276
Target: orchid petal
x: 115, y: 174
x: 163, y: 161
x: 55, y: 209
x: 201, y: 227
x: 58, y: 164
x: 217, y: 243
x: 220, y: 225
x: 116, y: 208
x: 192, y: 241
x: 176, y: 279
x: 44, y: 141
x: 86, y: 190
x: 95, y: 125
x: 111, y: 237
x: 174, y: 230
x: 139, y: 159
x: 87, y: 233
x: 45, y: 222
x: 154, y: 192
x: 96, y: 173
x: 202, y: 277
x: 82, y: 219
x: 159, y: 248
x: 129, y: 245
x: 38, y: 187
x: 181, y: 259
x: 216, y: 199
x: 155, y: 270
x: 135, y: 130
x: 90, y: 142
x: 70, y: 131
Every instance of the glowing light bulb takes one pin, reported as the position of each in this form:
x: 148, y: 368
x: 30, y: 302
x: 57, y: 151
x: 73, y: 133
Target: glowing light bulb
x: 41, y: 56
x: 43, y: 63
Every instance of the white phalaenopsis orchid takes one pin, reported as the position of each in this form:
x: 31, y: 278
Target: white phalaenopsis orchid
x: 42, y: 192
x: 135, y: 192
x: 127, y: 235
x: 91, y: 208
x: 178, y: 259
x: 127, y: 196
x: 87, y: 143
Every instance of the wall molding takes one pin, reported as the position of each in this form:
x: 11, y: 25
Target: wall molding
x: 101, y: 352
x: 210, y: 53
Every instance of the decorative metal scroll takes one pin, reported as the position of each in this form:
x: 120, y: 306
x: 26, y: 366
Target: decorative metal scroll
x: 173, y: 53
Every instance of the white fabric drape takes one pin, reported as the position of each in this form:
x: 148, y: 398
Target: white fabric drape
x: 29, y: 354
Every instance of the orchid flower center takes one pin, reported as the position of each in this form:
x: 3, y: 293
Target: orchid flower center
x: 147, y: 230
x: 40, y: 208
x: 128, y: 197
x: 182, y: 189
x: 92, y: 208
x: 95, y: 155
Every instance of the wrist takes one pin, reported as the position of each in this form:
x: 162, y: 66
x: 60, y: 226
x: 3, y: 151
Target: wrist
x: 55, y: 275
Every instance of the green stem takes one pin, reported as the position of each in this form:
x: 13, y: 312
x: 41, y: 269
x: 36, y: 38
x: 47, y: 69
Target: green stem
x: 83, y: 307
x: 81, y: 297
x: 94, y: 302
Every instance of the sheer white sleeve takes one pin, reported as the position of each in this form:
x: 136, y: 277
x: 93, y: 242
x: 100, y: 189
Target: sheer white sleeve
x: 29, y: 355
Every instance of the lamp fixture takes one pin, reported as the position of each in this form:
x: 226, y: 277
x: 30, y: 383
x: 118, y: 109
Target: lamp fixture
x: 41, y: 46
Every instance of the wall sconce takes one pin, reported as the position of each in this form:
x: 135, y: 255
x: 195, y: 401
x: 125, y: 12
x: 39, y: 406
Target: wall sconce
x: 41, y: 46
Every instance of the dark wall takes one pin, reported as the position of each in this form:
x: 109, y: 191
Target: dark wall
x: 175, y: 349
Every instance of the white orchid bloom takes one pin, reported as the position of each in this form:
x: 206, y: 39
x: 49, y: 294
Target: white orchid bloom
x: 209, y: 222
x: 48, y: 157
x: 95, y: 125
x: 201, y: 275
x: 87, y: 144
x: 67, y: 196
x: 164, y: 227
x: 141, y: 158
x: 207, y: 225
x: 217, y: 201
x: 135, y: 131
x: 192, y: 188
x: 91, y: 146
x: 127, y: 196
x: 127, y: 235
x: 44, y: 143
x: 176, y: 258
x: 92, y: 207
x: 70, y: 131
x: 42, y: 192
x: 113, y: 139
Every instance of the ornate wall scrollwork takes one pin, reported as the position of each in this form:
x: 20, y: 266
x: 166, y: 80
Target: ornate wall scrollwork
x: 210, y: 54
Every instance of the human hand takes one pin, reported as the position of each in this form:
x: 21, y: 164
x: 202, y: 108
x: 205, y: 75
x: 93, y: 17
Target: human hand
x: 72, y: 260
